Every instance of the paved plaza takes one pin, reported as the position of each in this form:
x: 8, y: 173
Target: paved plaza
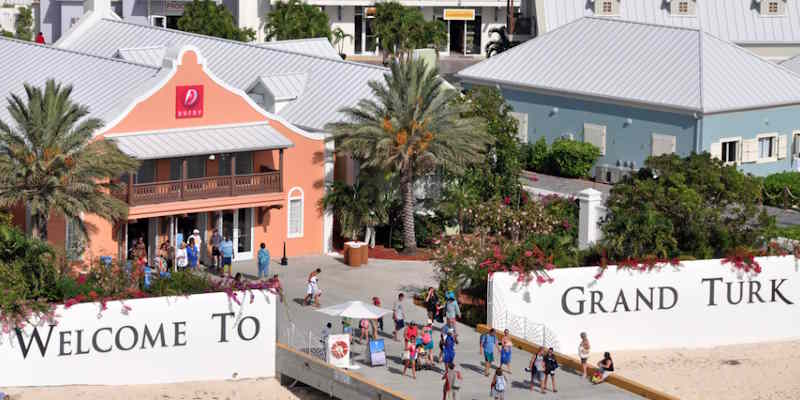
x: 384, y: 278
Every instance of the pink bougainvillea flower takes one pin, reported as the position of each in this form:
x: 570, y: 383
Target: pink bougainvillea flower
x: 81, y: 279
x: 507, y: 200
x: 528, y: 253
x: 93, y: 295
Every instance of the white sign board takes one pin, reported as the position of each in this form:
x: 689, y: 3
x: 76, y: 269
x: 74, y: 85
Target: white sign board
x: 338, y: 350
x: 697, y: 304
x: 156, y: 340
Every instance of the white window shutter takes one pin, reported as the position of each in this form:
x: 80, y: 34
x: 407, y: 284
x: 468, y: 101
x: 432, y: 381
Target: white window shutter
x: 662, y: 144
x: 522, y: 126
x: 716, y: 150
x: 295, y: 217
x: 596, y: 135
x: 782, y: 145
x: 749, y: 150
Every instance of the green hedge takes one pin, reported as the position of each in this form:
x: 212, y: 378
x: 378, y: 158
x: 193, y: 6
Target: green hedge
x: 565, y: 158
x: 775, y: 184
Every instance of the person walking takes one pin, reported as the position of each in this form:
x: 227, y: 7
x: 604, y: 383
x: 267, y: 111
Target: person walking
x: 505, y: 350
x: 226, y: 248
x: 584, y: 350
x: 449, y: 348
x: 216, y: 255
x: 311, y: 286
x: 498, y: 387
x: 606, y: 366
x: 452, y: 311
x: 427, y: 341
x: 40, y: 38
x: 181, y: 258
x: 450, y: 376
x: 398, y: 315
x: 537, y: 368
x: 488, y: 342
x: 409, y: 356
x: 431, y: 302
x: 263, y: 262
x: 550, y: 367
x: 376, y: 301
x: 198, y: 242
x: 191, y: 254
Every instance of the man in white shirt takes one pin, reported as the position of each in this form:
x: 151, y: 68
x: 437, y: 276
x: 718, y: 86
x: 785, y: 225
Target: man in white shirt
x: 398, y: 315
x: 197, y: 242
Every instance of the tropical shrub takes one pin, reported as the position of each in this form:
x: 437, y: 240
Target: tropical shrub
x: 572, y: 159
x: 775, y: 186
x: 207, y: 17
x: 536, y: 156
x: 694, y: 206
x: 295, y: 19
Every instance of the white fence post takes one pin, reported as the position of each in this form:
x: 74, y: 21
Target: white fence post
x: 591, y: 211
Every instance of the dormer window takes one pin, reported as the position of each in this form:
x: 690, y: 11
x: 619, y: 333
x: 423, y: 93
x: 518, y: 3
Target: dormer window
x: 606, y: 7
x: 682, y: 7
x: 772, y: 8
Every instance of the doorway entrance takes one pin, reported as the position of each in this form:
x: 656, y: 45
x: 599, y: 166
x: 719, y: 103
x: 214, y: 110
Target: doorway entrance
x: 456, y: 37
x: 238, y: 225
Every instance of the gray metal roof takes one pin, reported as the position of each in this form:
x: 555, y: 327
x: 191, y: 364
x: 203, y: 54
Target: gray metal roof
x: 285, y: 86
x: 332, y: 84
x: 738, y: 21
x: 320, y: 47
x: 792, y: 64
x: 98, y: 83
x: 675, y: 68
x: 152, y: 55
x: 200, y: 141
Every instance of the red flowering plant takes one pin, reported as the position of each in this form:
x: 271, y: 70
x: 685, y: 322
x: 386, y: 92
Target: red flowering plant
x: 646, y: 264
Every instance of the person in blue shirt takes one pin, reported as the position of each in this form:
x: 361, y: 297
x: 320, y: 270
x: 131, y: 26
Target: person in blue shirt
x: 263, y: 262
x: 192, y: 254
x: 488, y: 343
x: 227, y: 254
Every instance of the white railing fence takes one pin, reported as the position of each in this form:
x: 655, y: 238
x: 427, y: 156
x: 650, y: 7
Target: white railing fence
x: 531, y: 331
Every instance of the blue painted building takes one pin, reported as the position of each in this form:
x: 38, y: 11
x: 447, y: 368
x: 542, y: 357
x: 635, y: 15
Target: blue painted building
x: 636, y: 90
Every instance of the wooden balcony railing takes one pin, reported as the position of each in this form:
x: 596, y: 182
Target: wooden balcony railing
x: 202, y: 188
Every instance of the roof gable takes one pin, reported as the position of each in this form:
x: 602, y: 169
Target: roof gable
x: 332, y: 84
x: 677, y: 69
x: 320, y: 47
x: 164, y: 104
x: 792, y: 64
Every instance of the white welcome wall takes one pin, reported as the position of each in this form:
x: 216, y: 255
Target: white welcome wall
x: 165, y: 339
x: 698, y: 304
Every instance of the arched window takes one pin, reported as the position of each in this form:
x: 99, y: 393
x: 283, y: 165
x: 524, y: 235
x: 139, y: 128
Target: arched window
x: 295, y: 213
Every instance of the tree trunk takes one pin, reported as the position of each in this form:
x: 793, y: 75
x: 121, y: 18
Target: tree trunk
x: 39, y: 228
x: 409, y: 238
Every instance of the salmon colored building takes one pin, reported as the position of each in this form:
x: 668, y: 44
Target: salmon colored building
x: 211, y: 158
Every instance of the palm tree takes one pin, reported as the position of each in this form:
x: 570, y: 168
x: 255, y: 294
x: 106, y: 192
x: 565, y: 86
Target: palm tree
x: 49, y: 162
x: 338, y: 39
x: 411, y: 126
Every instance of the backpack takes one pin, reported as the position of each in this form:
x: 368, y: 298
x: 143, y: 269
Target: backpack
x: 500, y: 384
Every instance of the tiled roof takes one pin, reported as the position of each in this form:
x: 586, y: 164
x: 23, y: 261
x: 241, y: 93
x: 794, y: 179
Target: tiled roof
x: 675, y: 68
x: 737, y: 21
x: 98, y: 83
x: 199, y: 141
x: 331, y: 85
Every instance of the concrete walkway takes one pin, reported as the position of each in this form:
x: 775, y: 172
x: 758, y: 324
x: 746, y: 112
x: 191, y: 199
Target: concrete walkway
x: 386, y: 279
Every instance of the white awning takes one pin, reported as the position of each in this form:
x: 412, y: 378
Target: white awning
x: 201, y: 141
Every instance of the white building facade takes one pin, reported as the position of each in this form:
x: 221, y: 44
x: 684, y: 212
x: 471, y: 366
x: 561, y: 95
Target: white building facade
x: 468, y: 22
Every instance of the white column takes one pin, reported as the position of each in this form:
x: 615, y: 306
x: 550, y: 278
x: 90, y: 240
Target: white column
x: 327, y: 227
x: 591, y: 211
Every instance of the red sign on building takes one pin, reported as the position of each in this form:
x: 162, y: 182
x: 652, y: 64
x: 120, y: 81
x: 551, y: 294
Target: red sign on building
x: 189, y: 101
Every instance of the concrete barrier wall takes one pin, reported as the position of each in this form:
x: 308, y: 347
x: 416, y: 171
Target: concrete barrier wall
x: 326, y: 378
x: 702, y: 303
x: 153, y: 340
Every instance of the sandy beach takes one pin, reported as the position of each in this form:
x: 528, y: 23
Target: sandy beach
x: 764, y: 371
x: 245, y: 389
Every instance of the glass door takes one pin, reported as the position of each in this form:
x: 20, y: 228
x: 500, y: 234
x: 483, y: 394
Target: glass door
x: 237, y: 225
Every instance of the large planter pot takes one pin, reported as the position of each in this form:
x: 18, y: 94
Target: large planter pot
x: 354, y: 253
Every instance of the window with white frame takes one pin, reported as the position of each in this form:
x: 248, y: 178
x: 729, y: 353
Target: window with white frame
x: 75, y: 244
x: 295, y: 213
x: 606, y: 7
x: 773, y: 7
x: 683, y: 7
x: 727, y: 150
x: 767, y: 147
